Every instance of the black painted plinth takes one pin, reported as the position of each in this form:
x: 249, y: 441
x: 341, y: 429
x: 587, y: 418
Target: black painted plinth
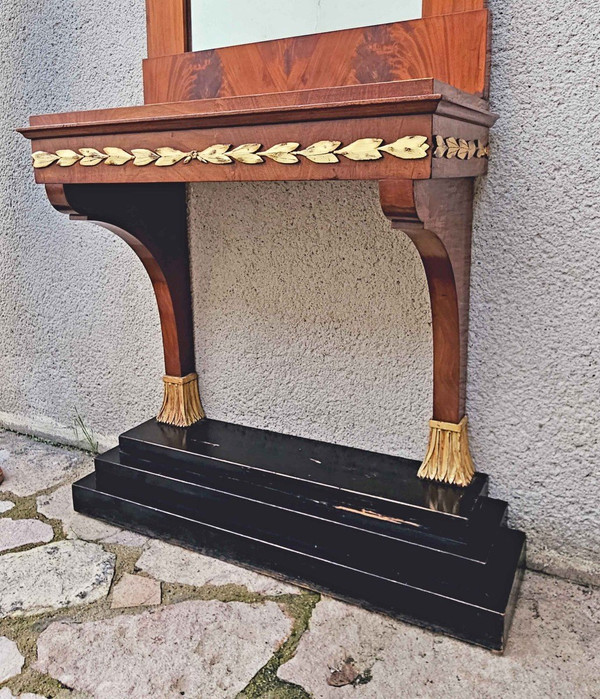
x: 357, y: 525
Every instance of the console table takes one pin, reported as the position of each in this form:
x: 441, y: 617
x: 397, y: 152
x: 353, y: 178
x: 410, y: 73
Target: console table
x: 402, y: 103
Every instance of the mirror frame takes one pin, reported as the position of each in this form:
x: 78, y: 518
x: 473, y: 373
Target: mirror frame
x: 167, y: 27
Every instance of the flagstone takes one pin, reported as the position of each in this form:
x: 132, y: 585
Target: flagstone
x: 553, y: 650
x: 5, y: 693
x: 30, y: 466
x: 191, y: 649
x: 135, y: 591
x: 59, y: 505
x: 20, y: 532
x: 11, y: 660
x: 175, y: 564
x: 54, y: 576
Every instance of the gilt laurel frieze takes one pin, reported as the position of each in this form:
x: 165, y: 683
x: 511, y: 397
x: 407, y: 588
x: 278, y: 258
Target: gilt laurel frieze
x: 405, y: 148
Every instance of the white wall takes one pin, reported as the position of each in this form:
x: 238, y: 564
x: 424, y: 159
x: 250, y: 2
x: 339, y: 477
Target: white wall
x: 310, y: 312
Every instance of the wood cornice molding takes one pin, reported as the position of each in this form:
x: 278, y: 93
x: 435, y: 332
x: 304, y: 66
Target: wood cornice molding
x: 347, y: 102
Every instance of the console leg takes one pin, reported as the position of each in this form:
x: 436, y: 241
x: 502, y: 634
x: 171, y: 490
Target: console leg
x: 437, y: 217
x: 151, y: 219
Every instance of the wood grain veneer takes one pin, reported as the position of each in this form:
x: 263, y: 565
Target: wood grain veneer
x: 447, y: 7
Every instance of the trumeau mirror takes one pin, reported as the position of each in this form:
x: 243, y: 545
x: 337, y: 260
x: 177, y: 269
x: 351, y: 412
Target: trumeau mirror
x: 219, y: 23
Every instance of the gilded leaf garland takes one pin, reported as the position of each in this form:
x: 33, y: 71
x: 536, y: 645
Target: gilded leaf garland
x: 409, y: 148
x: 117, y: 156
x: 91, y: 157
x: 450, y: 147
x: 282, y: 153
x: 363, y: 149
x: 170, y: 156
x: 288, y: 153
x: 214, y: 154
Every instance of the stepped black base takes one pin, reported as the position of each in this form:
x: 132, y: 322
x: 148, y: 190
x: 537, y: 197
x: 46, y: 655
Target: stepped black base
x: 356, y: 525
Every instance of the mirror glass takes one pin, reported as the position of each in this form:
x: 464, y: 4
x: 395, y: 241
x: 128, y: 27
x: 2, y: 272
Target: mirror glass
x: 218, y: 23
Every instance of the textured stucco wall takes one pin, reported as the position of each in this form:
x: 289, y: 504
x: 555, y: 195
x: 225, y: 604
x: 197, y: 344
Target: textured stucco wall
x: 311, y: 314
x: 79, y: 327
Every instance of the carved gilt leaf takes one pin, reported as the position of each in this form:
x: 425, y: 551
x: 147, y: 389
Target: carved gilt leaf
x: 408, y: 148
x: 363, y: 149
x: 43, y: 159
x: 67, y: 157
x: 453, y: 147
x: 440, y: 147
x: 321, y: 152
x: 215, y: 154
x: 91, y: 157
x: 464, y: 152
x: 170, y: 156
x: 481, y: 150
x: 143, y: 156
x: 282, y: 153
x: 117, y: 156
x: 460, y: 148
x: 246, y: 153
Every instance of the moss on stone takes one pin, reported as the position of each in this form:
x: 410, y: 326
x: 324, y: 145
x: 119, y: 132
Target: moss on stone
x: 25, y: 508
x: 266, y: 684
x: 179, y: 592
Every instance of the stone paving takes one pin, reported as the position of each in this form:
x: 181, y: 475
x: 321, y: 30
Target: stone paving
x: 90, y: 611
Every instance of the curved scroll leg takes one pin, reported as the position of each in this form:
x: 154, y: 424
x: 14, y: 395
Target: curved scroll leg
x: 151, y: 219
x: 437, y: 217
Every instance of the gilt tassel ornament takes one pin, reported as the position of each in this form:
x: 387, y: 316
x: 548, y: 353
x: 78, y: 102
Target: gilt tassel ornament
x: 181, y: 404
x: 448, y: 457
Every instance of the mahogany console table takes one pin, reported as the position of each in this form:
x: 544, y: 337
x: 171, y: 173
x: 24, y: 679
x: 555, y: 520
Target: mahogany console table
x: 403, y: 104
